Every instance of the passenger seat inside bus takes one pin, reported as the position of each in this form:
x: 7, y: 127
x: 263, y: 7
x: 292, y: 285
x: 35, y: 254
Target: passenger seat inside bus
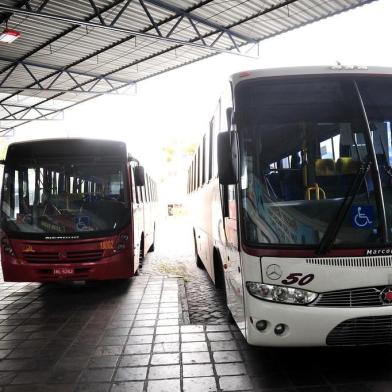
x: 287, y: 184
x: 325, y: 176
x: 291, y: 184
x: 347, y: 168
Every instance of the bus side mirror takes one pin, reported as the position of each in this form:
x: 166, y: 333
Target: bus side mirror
x: 228, y: 158
x: 139, y: 175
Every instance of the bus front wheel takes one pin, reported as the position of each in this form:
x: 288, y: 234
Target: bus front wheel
x: 220, y: 283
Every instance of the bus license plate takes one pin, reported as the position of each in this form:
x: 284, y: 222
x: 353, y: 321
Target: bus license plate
x: 63, y: 271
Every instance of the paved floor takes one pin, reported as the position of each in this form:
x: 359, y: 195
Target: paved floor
x: 205, y: 304
x: 130, y: 337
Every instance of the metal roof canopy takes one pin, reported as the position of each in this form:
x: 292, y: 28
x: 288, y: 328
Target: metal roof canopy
x: 72, y: 51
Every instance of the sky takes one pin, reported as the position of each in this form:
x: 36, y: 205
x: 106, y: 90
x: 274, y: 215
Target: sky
x: 177, y: 106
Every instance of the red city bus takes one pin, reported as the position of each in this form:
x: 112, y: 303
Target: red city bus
x: 74, y: 209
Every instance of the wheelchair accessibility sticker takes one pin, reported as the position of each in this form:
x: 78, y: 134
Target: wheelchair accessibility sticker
x: 362, y: 217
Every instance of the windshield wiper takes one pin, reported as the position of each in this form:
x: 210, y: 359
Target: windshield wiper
x: 335, y: 224
x: 383, y: 230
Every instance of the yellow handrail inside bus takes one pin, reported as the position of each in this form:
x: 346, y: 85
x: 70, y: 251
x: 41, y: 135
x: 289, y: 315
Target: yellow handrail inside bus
x: 317, y: 190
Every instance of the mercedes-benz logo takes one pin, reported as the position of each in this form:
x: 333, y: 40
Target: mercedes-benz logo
x: 274, y: 271
x: 386, y: 296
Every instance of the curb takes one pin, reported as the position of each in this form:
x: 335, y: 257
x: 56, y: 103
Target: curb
x: 183, y: 309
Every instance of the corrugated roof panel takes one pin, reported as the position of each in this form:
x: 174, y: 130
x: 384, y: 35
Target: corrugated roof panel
x: 49, y: 48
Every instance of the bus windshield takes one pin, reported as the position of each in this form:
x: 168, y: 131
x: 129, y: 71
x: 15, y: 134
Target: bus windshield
x: 303, y: 142
x: 59, y: 196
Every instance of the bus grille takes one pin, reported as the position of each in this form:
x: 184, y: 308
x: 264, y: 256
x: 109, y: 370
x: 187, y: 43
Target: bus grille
x: 83, y: 256
x: 367, y: 296
x: 357, y: 262
x: 362, y: 331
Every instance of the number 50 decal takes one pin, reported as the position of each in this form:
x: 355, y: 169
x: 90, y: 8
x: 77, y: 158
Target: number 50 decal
x: 296, y: 277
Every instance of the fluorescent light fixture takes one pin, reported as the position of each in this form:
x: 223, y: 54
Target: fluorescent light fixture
x: 9, y: 35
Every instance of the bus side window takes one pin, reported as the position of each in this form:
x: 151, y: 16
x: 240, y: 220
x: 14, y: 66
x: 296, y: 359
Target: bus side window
x: 194, y: 173
x: 198, y: 168
x: 203, y: 161
x: 210, y: 147
x: 191, y: 178
x: 148, y: 189
x: 144, y: 190
x: 215, y: 130
x: 133, y: 190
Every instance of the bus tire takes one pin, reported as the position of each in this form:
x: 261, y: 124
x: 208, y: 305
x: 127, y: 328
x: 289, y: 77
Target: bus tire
x: 141, y: 251
x: 220, y: 283
x: 218, y: 271
x: 199, y: 262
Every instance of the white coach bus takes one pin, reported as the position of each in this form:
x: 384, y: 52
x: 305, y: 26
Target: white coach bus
x: 292, y: 201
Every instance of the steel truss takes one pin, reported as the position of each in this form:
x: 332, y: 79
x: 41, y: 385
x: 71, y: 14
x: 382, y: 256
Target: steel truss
x: 11, y: 108
x: 100, y: 17
x: 158, y: 35
x: 94, y: 85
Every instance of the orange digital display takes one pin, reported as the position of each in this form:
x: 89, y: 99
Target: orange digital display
x: 105, y: 245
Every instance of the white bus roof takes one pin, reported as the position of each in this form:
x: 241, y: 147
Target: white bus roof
x: 310, y: 70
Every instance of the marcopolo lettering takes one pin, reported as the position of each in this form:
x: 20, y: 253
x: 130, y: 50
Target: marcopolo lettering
x: 377, y: 252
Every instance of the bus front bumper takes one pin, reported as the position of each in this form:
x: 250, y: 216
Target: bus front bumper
x: 115, y: 267
x: 312, y: 325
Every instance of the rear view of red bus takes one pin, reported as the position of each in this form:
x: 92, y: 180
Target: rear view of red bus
x: 73, y: 209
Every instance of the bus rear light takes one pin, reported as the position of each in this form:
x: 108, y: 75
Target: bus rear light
x: 7, y: 248
x: 281, y: 294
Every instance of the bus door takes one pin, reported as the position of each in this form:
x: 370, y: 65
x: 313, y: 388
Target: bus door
x: 137, y: 223
x: 232, y: 264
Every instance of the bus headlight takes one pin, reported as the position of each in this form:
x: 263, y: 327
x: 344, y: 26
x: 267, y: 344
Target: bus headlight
x: 282, y: 294
x: 124, y: 237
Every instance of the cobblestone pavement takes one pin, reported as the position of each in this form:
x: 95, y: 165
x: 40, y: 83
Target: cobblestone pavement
x: 206, y: 305
x: 128, y: 337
